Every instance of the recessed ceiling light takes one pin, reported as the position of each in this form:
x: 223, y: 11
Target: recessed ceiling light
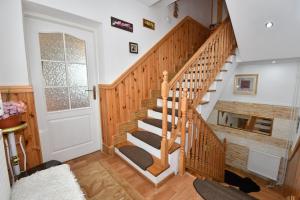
x: 269, y: 24
x: 274, y: 61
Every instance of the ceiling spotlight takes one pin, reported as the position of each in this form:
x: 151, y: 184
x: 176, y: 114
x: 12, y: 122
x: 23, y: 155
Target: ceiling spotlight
x: 269, y: 24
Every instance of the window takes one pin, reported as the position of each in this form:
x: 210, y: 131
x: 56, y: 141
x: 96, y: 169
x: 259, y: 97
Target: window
x: 64, y: 68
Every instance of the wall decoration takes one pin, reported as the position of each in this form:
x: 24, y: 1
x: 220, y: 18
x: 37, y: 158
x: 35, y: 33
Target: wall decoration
x: 148, y: 24
x: 118, y: 23
x: 133, y: 47
x: 176, y: 9
x: 245, y: 84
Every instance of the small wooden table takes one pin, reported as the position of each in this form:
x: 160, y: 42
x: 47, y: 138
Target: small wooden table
x: 10, y: 132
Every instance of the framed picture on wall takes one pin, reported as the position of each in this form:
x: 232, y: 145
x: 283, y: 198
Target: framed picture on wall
x: 245, y: 84
x: 133, y: 47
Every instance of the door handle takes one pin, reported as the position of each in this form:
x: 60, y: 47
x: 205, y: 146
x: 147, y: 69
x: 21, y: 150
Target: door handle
x: 94, y: 92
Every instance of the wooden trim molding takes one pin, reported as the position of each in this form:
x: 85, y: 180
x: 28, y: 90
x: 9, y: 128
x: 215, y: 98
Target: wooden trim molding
x: 128, y: 93
x: 16, y: 89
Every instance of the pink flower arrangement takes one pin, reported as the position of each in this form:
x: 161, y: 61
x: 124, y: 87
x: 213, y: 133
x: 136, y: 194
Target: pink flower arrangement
x: 12, y: 108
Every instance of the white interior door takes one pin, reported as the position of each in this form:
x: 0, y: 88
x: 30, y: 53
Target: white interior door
x: 62, y: 65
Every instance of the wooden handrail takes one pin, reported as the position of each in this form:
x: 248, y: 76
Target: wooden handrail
x: 186, y: 67
x: 190, y: 84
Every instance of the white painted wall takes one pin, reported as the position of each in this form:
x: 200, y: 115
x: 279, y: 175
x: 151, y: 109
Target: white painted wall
x: 13, y: 69
x: 276, y: 83
x: 116, y: 56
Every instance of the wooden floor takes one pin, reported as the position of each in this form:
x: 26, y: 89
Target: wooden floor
x: 176, y: 188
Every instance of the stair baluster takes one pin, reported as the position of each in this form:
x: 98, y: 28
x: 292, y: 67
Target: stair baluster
x: 164, y: 141
x: 205, y: 153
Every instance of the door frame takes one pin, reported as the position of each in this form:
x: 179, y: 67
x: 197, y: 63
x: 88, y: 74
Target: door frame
x: 32, y: 11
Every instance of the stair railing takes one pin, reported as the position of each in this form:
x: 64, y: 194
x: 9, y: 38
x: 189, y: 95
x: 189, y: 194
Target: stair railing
x: 188, y: 87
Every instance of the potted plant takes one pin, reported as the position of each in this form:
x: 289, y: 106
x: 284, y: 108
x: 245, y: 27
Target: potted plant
x: 12, y: 111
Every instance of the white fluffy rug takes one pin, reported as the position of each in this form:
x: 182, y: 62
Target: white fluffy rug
x: 56, y: 183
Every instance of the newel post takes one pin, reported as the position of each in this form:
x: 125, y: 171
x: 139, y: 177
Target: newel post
x: 183, y: 132
x: 164, y: 142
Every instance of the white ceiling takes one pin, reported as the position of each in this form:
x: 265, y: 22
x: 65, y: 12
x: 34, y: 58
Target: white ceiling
x: 255, y: 41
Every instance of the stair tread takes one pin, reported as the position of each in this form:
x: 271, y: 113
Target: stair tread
x: 148, y: 137
x: 139, y: 156
x: 160, y: 109
x: 156, y: 168
x: 188, y: 89
x: 211, y: 90
x: 204, y: 102
x: 171, y: 99
x: 157, y: 123
x: 152, y: 139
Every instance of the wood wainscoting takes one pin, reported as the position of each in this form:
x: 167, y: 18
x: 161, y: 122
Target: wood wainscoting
x: 292, y: 179
x: 31, y: 133
x: 138, y: 87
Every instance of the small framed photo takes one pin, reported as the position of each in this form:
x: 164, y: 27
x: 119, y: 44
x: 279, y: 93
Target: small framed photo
x: 148, y: 24
x: 133, y: 47
x: 245, y: 84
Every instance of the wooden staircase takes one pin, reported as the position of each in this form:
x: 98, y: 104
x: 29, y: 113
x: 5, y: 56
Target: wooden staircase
x: 171, y: 135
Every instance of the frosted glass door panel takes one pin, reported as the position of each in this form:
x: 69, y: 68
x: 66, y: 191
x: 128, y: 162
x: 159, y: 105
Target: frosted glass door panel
x: 52, y: 46
x: 64, y: 71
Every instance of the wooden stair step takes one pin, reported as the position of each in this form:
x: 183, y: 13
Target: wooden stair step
x: 171, y: 99
x: 204, y: 102
x: 148, y: 137
x: 211, y: 90
x: 139, y: 156
x: 157, y: 123
x: 188, y: 89
x: 152, y: 139
x: 155, y: 169
x: 160, y: 109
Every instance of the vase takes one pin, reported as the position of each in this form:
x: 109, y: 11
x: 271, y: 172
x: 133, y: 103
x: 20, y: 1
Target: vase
x: 10, y: 122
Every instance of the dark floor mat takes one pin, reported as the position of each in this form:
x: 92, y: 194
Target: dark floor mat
x: 210, y: 190
x: 157, y: 123
x: 149, y: 138
x: 244, y: 184
x: 137, y: 155
x: 169, y: 110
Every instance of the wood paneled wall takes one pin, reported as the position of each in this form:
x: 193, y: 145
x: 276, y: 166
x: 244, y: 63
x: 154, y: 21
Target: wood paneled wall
x: 125, y: 95
x: 292, y: 179
x: 30, y: 134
